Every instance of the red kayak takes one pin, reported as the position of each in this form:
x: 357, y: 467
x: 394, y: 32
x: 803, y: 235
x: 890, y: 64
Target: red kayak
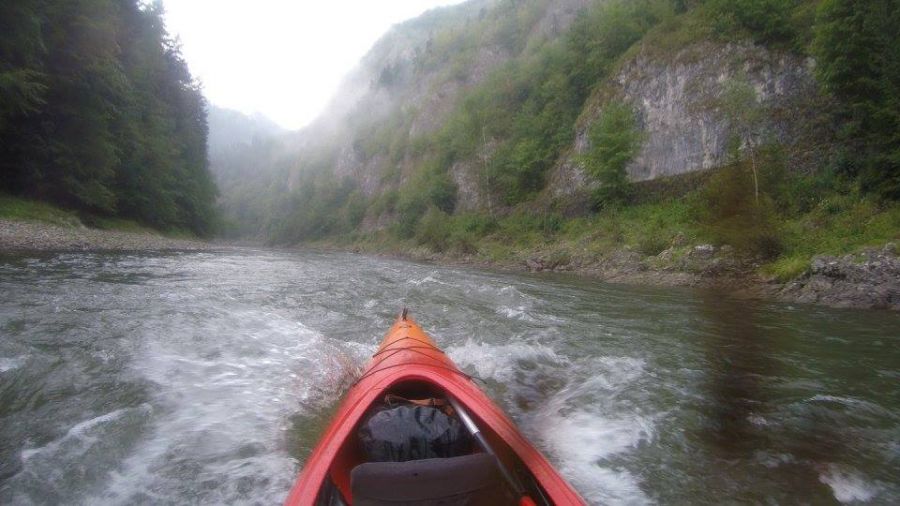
x: 414, y: 429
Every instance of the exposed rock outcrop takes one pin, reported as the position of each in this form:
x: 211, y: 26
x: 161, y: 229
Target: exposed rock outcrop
x: 870, y: 279
x: 676, y: 98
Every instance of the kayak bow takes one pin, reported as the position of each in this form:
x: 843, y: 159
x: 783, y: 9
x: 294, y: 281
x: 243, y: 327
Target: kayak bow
x: 409, y: 364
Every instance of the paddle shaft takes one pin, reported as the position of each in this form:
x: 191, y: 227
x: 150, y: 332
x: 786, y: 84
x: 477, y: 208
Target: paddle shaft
x: 473, y: 429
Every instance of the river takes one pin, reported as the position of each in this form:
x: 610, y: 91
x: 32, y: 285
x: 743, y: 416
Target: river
x: 205, y: 378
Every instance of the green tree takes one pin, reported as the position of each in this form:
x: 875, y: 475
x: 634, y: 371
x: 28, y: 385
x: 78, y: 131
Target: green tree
x: 858, y: 60
x: 615, y: 140
x: 746, y: 120
x: 98, y: 112
x: 22, y: 87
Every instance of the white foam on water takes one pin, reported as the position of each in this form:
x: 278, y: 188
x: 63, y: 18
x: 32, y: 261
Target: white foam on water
x: 80, y: 436
x: 582, y: 438
x: 499, y: 361
x: 429, y: 279
x: 77, y: 456
x: 577, y: 434
x: 757, y: 420
x: 773, y: 460
x: 847, y: 486
x: 225, y: 407
x: 615, y: 372
x: 11, y: 363
x: 859, y: 406
x: 516, y: 313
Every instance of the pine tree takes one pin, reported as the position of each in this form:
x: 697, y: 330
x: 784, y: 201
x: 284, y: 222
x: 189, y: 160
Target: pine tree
x: 858, y: 59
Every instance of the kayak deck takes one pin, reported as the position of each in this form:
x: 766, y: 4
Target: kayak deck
x: 409, y: 364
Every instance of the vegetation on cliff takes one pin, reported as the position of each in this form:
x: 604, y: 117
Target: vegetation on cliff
x: 99, y: 113
x: 508, y: 129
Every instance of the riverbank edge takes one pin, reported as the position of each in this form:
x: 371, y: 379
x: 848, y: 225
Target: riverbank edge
x: 18, y: 236
x: 868, y: 279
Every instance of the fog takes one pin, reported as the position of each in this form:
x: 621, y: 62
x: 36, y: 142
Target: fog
x: 284, y: 59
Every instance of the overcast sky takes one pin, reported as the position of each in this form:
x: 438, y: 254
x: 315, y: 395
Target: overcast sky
x: 283, y: 58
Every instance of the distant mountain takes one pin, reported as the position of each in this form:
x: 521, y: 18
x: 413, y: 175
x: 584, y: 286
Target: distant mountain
x: 250, y: 157
x: 230, y: 129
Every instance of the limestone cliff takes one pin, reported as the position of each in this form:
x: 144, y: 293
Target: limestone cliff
x: 676, y: 100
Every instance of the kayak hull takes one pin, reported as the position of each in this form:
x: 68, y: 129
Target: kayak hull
x: 407, y: 356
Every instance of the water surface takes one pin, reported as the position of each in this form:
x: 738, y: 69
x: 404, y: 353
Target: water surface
x: 190, y: 378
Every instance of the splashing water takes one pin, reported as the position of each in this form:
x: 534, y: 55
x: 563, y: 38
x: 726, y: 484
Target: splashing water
x: 208, y: 377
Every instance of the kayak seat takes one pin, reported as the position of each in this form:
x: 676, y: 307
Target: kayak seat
x: 470, y: 480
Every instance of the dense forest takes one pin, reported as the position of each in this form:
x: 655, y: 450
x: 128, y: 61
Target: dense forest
x: 99, y: 113
x: 515, y: 96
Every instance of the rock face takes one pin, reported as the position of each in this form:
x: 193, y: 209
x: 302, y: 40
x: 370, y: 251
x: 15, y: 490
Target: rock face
x: 676, y: 98
x: 870, y: 279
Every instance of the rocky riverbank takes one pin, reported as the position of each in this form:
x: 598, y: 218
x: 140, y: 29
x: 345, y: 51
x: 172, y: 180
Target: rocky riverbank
x: 869, y: 279
x: 16, y: 235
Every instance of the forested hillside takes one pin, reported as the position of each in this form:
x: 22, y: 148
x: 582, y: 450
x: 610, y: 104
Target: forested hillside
x: 99, y: 113
x: 509, y: 127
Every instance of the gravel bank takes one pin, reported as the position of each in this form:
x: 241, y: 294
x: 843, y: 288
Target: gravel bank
x: 35, y: 236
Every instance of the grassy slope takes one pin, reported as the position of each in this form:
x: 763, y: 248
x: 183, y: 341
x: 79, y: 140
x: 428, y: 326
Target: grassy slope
x: 837, y: 224
x: 17, y: 208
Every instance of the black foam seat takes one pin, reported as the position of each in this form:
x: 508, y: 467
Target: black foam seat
x: 470, y: 480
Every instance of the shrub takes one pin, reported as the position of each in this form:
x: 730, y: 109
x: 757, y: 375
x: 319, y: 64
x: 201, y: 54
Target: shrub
x: 434, y: 229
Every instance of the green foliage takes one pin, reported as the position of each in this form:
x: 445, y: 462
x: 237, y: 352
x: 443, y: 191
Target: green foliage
x: 410, y: 207
x: 840, y: 224
x: 17, y: 208
x: 787, y: 268
x: 323, y: 206
x: 615, y: 140
x: 476, y: 225
x: 767, y: 21
x: 509, y: 129
x: 858, y: 60
x: 514, y: 125
x: 99, y: 113
x: 430, y: 187
x: 434, y: 229
x: 440, y: 191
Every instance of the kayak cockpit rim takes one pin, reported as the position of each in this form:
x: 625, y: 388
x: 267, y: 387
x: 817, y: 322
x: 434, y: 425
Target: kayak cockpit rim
x: 347, y: 454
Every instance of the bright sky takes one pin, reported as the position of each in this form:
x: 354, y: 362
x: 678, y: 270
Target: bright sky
x: 282, y: 58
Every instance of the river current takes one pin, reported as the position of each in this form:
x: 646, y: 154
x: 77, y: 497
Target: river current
x: 206, y: 378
